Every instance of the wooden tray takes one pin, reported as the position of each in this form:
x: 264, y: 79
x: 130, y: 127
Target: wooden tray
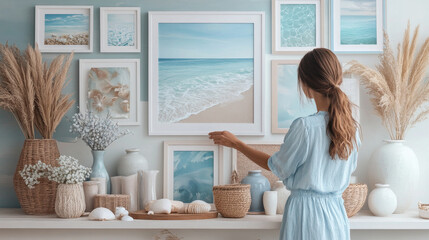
x: 173, y: 216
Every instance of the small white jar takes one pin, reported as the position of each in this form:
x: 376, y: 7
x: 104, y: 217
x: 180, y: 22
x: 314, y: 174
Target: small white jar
x: 382, y: 200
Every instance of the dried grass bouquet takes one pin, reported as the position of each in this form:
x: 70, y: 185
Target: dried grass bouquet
x: 397, y: 85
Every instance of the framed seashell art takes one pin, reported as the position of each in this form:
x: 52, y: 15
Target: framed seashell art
x: 111, y: 86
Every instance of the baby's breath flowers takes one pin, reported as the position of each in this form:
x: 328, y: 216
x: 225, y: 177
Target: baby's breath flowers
x: 69, y: 172
x: 97, y: 132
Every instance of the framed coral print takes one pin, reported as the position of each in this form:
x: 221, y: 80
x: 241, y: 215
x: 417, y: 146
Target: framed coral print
x: 287, y: 103
x: 357, y: 26
x: 297, y: 25
x: 120, y: 29
x: 191, y: 169
x: 64, y: 28
x: 111, y: 86
x: 206, y: 72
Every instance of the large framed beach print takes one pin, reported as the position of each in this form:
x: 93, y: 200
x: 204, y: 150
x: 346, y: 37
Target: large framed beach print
x: 191, y: 169
x: 64, y: 28
x: 206, y: 72
x: 287, y: 102
x: 297, y: 25
x: 357, y: 26
x: 120, y: 29
x: 111, y: 86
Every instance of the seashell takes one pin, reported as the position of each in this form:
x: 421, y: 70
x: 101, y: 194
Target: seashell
x: 176, y: 206
x: 109, y: 101
x: 127, y: 218
x: 147, y: 205
x: 150, y: 213
x: 198, y: 206
x: 101, y: 214
x: 120, y: 213
x: 94, y: 92
x: 161, y: 206
x: 125, y: 106
x: 101, y: 73
x: 184, y: 208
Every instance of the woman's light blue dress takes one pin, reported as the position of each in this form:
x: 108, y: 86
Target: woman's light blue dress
x: 315, y: 207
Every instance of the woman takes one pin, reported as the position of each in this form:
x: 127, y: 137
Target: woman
x: 318, y: 155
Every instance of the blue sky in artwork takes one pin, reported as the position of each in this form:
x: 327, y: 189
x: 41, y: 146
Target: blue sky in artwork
x: 205, y: 40
x: 66, y: 23
x: 358, y: 7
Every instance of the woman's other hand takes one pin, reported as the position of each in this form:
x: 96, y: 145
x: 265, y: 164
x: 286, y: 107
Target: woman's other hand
x: 225, y: 138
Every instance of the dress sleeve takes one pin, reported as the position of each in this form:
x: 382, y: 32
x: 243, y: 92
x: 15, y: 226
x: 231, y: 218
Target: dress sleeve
x: 293, y: 152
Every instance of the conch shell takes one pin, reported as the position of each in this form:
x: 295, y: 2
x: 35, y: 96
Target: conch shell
x: 198, y: 206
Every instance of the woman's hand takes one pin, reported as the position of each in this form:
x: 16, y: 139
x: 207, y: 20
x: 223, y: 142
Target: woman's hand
x: 225, y: 138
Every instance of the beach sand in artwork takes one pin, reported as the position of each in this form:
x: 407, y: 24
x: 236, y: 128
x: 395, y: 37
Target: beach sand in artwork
x: 239, y: 110
x: 68, y: 39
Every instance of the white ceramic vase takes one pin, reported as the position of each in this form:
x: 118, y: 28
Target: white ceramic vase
x: 282, y: 196
x: 382, y: 200
x: 132, y: 162
x: 147, y: 186
x: 270, y: 202
x: 129, y: 187
x: 397, y: 165
x: 70, y: 201
x: 90, y: 189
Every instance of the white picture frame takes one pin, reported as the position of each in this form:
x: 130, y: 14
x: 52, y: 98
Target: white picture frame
x: 67, y: 26
x: 344, y: 42
x: 170, y: 147
x: 256, y: 126
x: 277, y: 47
x: 133, y: 66
x: 105, y: 46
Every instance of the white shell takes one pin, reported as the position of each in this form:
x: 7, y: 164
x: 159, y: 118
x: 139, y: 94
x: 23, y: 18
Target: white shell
x: 183, y: 208
x: 150, y: 213
x: 127, y: 218
x: 101, y: 214
x: 120, y: 212
x: 176, y: 206
x: 198, y: 206
x: 147, y: 205
x: 161, y: 206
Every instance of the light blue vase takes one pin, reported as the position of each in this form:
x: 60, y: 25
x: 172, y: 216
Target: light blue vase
x: 98, y: 168
x: 258, y: 185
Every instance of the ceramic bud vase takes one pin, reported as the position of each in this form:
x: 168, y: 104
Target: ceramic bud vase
x: 101, y: 185
x: 397, y: 165
x: 129, y: 187
x: 116, y: 183
x: 382, y: 200
x: 98, y: 168
x: 132, y: 162
x: 270, y: 202
x: 70, y: 201
x: 147, y: 187
x: 90, y: 189
x: 258, y: 185
x: 282, y: 196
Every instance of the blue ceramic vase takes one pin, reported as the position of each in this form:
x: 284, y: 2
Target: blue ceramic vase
x: 98, y: 168
x: 258, y: 185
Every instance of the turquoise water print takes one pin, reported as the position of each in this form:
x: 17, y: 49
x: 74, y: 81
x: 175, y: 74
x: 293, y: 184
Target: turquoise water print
x: 193, y: 176
x: 66, y: 29
x: 358, y: 22
x: 298, y: 25
x: 289, y: 104
x: 121, y: 29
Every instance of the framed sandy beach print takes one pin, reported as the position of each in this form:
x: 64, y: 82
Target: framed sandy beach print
x: 111, y: 86
x: 287, y: 104
x: 191, y: 169
x: 297, y: 25
x: 206, y: 72
x: 120, y: 29
x: 357, y: 26
x: 64, y: 28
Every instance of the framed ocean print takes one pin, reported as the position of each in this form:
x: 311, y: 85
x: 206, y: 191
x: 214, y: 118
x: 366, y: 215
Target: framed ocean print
x: 297, y: 25
x: 191, y: 169
x: 206, y: 72
x: 111, y: 86
x: 64, y: 28
x: 357, y: 26
x: 286, y: 101
x: 120, y: 29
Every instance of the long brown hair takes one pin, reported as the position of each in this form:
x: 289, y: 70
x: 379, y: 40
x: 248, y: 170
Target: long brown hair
x: 321, y: 71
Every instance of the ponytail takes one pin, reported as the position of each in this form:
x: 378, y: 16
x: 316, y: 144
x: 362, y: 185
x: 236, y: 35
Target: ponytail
x: 321, y: 71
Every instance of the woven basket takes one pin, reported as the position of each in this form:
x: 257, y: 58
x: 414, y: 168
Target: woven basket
x: 354, y: 197
x: 111, y: 201
x: 41, y: 199
x: 232, y: 201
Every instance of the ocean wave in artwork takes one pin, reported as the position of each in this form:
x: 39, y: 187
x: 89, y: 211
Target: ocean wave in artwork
x: 121, y: 35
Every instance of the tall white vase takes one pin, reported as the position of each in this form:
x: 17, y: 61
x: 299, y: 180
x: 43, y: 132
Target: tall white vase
x: 397, y: 165
x: 282, y: 196
x: 270, y: 202
x: 132, y: 162
x: 129, y: 187
x: 147, y: 186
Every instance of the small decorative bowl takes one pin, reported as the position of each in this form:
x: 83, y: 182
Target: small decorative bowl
x: 424, y: 210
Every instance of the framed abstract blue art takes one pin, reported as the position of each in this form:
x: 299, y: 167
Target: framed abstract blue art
x: 297, y: 25
x: 357, y: 26
x: 191, y: 169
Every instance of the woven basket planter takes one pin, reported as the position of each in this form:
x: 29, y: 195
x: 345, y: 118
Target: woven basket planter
x: 111, y: 201
x: 70, y: 201
x: 232, y: 201
x: 354, y: 197
x: 41, y: 199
